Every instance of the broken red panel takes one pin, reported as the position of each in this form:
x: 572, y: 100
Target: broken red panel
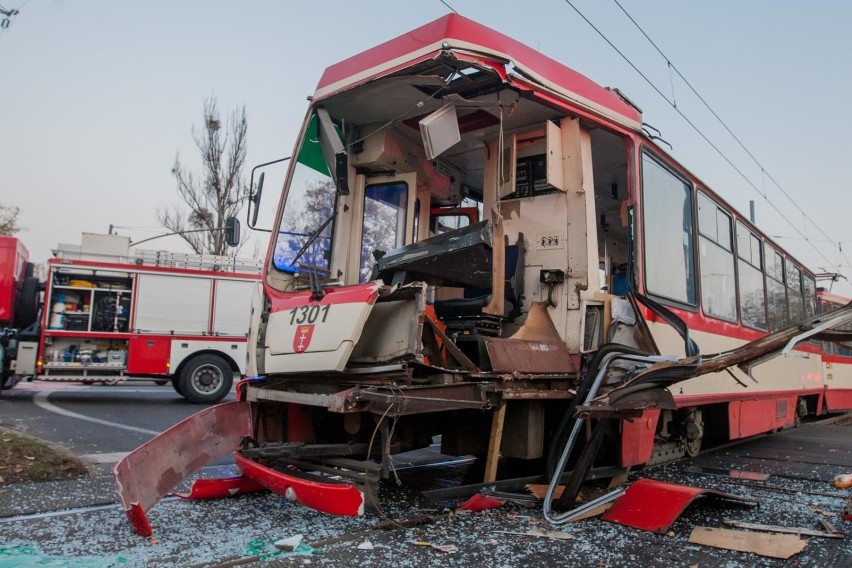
x: 155, y: 468
x: 336, y: 498
x: 219, y: 488
x: 652, y: 505
x: 480, y: 502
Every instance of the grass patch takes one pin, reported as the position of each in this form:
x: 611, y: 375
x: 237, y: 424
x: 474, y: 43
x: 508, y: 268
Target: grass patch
x: 23, y: 458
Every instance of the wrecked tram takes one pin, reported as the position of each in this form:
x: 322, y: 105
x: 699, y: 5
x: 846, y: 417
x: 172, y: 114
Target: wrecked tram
x: 476, y: 242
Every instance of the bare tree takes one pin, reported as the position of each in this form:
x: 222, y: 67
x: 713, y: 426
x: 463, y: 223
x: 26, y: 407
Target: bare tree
x: 9, y: 220
x: 219, y: 191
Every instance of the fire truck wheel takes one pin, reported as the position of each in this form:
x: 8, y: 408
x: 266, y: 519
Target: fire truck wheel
x: 176, y: 385
x: 161, y: 382
x: 206, y: 379
x: 27, y: 309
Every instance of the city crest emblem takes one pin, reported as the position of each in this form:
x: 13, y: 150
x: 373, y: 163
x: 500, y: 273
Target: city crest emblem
x: 303, y: 337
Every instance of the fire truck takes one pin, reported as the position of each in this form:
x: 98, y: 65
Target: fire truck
x: 19, y: 308
x: 111, y: 313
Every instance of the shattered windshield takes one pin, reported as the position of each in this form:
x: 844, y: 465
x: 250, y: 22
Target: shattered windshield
x: 310, y: 202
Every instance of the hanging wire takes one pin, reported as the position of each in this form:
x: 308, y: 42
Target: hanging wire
x: 742, y: 145
x: 448, y: 6
x: 671, y: 84
x: 694, y: 126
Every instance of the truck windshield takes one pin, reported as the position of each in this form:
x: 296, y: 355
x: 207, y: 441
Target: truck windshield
x: 310, y: 202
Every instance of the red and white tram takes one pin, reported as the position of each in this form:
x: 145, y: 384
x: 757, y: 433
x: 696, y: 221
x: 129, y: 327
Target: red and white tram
x: 391, y: 313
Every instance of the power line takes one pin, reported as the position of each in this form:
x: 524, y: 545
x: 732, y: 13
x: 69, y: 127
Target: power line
x: 697, y: 130
x: 448, y: 6
x: 764, y: 172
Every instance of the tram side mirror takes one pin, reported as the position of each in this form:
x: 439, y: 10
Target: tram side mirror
x: 232, y: 231
x: 254, y: 200
x: 333, y: 152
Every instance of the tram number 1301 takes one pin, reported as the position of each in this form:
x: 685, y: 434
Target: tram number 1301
x: 309, y: 314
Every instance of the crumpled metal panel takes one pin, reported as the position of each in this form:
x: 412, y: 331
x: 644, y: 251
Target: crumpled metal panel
x: 523, y: 356
x: 454, y: 258
x: 652, y: 505
x: 152, y: 470
x: 336, y: 498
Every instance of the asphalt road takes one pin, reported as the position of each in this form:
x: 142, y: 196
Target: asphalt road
x: 78, y: 520
x: 96, y: 422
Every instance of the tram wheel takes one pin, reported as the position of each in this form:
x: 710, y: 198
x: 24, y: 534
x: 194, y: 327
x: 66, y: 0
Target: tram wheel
x: 693, y: 431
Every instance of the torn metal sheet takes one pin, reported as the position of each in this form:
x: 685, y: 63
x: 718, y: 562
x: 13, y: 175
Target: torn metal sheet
x: 666, y: 373
x: 151, y: 471
x: 538, y: 326
x: 524, y: 356
x: 328, y: 496
x: 773, y: 545
x: 480, y: 502
x: 652, y: 505
x: 219, y: 488
x: 453, y: 258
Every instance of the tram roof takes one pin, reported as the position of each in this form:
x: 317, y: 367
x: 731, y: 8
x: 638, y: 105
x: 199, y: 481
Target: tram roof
x: 460, y: 33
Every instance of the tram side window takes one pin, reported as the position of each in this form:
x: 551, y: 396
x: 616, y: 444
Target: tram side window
x: 752, y: 297
x: 776, y: 293
x: 810, y: 295
x: 669, y: 249
x: 794, y: 292
x: 715, y: 249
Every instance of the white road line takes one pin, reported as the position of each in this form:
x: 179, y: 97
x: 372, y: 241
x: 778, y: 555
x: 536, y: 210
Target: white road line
x: 40, y: 400
x: 106, y: 457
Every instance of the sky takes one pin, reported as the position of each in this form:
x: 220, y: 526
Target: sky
x: 98, y: 97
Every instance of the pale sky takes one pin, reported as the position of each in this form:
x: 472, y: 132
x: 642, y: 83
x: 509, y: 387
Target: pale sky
x: 97, y: 97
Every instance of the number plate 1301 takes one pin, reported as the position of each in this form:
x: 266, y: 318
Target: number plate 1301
x: 309, y: 314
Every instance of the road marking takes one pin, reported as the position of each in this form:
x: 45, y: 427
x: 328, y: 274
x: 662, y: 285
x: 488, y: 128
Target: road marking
x: 106, y: 457
x: 76, y: 387
x: 40, y: 400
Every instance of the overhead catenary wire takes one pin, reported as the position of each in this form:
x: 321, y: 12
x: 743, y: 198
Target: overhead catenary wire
x: 763, y: 171
x: 447, y: 4
x: 698, y: 130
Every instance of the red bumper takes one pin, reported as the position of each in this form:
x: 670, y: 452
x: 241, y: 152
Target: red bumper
x: 152, y: 470
x: 335, y: 498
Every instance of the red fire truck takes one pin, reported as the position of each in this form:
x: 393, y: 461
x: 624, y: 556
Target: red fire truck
x: 19, y: 305
x: 111, y: 313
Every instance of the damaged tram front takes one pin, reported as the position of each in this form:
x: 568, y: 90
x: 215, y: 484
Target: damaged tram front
x: 447, y: 237
x: 474, y: 242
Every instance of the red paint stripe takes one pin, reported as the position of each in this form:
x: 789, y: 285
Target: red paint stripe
x: 838, y: 359
x: 108, y: 335
x: 59, y: 262
x: 685, y: 401
x: 358, y: 294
